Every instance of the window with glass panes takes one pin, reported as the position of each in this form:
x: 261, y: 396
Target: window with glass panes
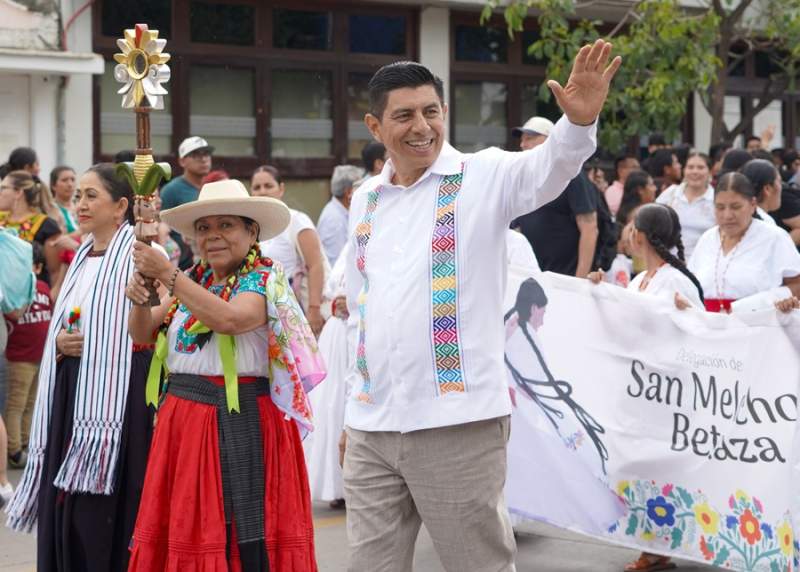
x: 495, y: 83
x: 281, y: 83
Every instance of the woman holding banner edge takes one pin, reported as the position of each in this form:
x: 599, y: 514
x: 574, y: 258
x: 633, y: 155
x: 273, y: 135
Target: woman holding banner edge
x: 653, y: 234
x: 743, y: 256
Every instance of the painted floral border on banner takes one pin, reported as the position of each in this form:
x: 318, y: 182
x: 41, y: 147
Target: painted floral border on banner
x: 737, y: 538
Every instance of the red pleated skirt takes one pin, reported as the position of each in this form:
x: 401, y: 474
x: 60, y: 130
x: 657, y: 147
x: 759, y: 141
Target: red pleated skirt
x: 181, y: 520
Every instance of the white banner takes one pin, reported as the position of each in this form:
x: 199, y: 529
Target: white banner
x: 670, y: 431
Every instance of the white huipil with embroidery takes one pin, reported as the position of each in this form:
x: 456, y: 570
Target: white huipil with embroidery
x: 764, y: 256
x: 427, y: 274
x: 696, y: 216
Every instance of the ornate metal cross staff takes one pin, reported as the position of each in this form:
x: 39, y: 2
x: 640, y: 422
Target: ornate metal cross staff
x: 142, y: 68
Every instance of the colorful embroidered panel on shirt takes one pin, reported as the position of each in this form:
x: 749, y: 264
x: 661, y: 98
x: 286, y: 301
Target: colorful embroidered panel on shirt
x: 363, y: 233
x: 444, y: 291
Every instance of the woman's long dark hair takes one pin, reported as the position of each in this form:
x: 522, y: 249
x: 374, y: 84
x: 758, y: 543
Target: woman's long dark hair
x: 631, y: 195
x: 662, y: 228
x: 532, y: 294
x: 734, y: 160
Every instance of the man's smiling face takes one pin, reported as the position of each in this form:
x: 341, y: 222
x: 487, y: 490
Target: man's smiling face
x: 411, y: 128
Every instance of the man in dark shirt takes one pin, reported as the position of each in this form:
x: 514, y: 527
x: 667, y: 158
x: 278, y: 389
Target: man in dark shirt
x: 788, y: 215
x: 563, y: 233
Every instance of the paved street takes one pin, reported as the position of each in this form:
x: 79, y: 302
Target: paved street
x: 541, y: 549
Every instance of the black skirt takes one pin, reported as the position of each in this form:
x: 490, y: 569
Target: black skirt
x: 81, y: 532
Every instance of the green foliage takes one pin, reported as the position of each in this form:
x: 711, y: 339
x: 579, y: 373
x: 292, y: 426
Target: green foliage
x: 781, y: 30
x: 666, y: 56
x: 668, y: 51
x: 686, y: 497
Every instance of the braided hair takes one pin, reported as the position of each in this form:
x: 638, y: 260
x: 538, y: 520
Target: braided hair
x: 662, y: 228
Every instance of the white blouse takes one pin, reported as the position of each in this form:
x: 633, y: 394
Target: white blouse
x: 666, y: 282
x: 283, y: 248
x: 765, y: 217
x: 185, y: 355
x: 762, y: 259
x: 520, y: 252
x: 696, y: 217
x: 81, y: 294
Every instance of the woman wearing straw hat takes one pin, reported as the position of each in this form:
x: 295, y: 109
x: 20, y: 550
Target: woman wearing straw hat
x: 226, y: 482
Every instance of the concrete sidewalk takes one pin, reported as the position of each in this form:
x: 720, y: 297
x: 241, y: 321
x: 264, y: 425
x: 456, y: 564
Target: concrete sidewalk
x: 541, y: 548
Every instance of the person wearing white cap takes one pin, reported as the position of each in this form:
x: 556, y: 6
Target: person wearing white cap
x: 534, y: 132
x: 240, y: 359
x: 563, y: 233
x: 194, y: 157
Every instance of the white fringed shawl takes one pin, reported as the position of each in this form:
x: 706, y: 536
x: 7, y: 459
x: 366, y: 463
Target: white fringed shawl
x: 102, y: 385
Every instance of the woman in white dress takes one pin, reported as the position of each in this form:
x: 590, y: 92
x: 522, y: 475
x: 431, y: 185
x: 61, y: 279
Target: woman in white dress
x: 743, y: 256
x: 654, y: 234
x: 298, y: 248
x: 693, y: 200
x: 768, y: 185
x: 337, y: 347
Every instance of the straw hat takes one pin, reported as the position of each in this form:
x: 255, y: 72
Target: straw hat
x: 229, y: 197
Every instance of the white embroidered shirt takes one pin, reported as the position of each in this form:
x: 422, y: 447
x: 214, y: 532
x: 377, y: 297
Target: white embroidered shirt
x: 426, y: 278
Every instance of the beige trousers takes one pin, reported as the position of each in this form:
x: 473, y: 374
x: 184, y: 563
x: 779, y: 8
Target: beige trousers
x: 450, y: 478
x: 22, y: 378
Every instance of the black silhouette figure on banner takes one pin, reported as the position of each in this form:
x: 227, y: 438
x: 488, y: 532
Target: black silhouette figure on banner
x: 556, y: 457
x: 553, y: 396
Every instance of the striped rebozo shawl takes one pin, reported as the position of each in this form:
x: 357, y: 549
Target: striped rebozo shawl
x: 90, y: 462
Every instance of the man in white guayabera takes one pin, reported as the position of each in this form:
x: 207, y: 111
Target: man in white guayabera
x: 428, y: 416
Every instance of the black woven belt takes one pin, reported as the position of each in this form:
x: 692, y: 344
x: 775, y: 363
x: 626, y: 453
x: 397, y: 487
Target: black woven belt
x: 241, y: 451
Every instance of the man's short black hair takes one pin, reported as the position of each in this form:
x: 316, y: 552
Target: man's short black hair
x: 372, y: 152
x: 656, y: 139
x: 125, y: 156
x: 619, y: 159
x: 682, y: 153
x: 717, y: 150
x: 752, y: 138
x: 399, y: 75
x: 659, y: 161
x: 761, y: 154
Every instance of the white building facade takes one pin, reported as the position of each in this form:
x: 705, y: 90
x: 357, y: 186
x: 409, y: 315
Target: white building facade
x: 46, y: 83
